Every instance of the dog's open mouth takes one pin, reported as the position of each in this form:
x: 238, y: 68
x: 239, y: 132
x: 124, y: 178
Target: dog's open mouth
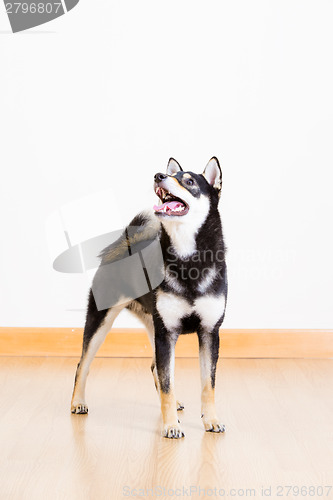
x: 171, y: 205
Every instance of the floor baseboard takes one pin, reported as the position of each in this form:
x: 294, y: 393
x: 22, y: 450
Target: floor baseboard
x: 133, y: 343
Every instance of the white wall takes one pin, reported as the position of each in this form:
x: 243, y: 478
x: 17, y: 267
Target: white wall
x: 100, y: 98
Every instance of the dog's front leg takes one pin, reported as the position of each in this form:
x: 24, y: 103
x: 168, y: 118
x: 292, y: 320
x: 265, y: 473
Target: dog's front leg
x: 209, y: 353
x: 165, y: 363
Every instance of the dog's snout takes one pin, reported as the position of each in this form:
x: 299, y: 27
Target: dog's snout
x: 160, y: 177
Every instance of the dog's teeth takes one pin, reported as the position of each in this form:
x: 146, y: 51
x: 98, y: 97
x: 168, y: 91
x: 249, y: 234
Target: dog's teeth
x: 180, y: 208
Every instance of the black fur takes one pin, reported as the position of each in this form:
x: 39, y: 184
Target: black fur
x: 205, y: 256
x: 94, y: 319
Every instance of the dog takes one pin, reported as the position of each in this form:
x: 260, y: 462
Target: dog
x: 185, y: 231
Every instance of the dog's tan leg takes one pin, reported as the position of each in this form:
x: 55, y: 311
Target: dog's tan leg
x: 208, y: 351
x: 78, y: 403
x: 165, y: 364
x: 171, y: 427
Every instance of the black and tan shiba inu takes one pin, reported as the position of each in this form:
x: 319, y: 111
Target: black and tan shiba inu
x: 182, y: 241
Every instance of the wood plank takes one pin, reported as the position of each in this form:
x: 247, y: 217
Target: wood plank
x: 277, y: 411
x: 129, y: 343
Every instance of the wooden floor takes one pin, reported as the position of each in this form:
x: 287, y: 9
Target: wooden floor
x: 278, y: 416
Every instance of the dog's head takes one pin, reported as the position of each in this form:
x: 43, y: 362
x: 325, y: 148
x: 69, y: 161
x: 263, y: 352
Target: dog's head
x: 186, y: 195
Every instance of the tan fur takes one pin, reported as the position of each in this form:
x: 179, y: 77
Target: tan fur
x: 208, y: 406
x: 171, y: 427
x: 78, y: 403
x: 210, y: 419
x: 148, y: 232
x: 179, y: 185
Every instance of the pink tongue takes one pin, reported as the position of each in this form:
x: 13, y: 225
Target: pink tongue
x: 170, y: 205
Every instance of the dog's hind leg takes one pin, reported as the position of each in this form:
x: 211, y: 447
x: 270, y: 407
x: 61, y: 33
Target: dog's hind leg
x: 146, y: 318
x: 98, y: 324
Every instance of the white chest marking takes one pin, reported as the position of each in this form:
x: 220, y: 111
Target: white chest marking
x: 182, y: 238
x: 173, y: 308
x: 210, y: 309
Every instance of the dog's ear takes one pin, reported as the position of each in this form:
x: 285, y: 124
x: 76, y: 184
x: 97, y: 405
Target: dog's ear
x: 173, y: 167
x: 213, y: 174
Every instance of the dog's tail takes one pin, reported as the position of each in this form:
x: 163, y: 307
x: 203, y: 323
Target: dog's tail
x: 141, y: 231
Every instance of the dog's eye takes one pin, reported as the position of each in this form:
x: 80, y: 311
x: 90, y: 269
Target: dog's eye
x: 189, y: 182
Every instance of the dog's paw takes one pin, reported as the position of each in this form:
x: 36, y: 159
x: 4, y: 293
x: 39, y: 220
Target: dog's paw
x: 173, y: 431
x: 213, y: 425
x: 180, y: 406
x: 80, y: 408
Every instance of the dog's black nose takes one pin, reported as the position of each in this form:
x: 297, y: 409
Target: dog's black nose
x: 160, y: 177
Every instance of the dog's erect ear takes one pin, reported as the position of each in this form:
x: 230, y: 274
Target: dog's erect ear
x: 173, y: 167
x: 213, y: 174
